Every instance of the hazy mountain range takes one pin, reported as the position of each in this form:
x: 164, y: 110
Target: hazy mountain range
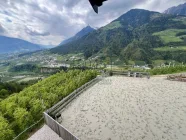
x: 15, y: 45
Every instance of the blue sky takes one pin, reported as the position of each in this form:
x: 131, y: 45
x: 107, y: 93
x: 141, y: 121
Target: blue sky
x: 49, y: 22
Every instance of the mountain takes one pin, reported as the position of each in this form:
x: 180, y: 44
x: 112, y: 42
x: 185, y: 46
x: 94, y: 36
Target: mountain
x: 136, y: 35
x: 13, y: 45
x: 177, y: 10
x: 46, y: 46
x: 80, y: 34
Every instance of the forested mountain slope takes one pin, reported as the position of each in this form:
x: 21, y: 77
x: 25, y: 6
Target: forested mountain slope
x: 133, y: 36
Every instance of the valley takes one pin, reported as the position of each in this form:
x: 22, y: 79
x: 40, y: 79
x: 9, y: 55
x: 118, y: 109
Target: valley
x: 56, y: 55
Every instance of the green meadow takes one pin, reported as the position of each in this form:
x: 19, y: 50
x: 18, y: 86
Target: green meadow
x: 170, y: 35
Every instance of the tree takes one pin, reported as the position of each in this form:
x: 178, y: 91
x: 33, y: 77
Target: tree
x: 3, y: 93
x: 23, y: 101
x: 5, y: 132
x: 37, y: 106
x: 8, y: 107
x: 23, y: 118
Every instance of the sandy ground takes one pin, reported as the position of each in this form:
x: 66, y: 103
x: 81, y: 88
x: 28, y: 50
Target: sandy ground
x: 121, y: 108
x: 45, y: 133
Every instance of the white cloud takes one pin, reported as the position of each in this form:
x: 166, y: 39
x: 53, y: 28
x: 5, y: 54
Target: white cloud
x: 2, y: 30
x: 34, y: 32
x: 51, y: 21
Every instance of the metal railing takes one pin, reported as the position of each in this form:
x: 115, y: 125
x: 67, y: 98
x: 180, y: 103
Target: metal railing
x: 132, y: 74
x: 50, y: 116
x: 58, y: 128
x: 64, y: 102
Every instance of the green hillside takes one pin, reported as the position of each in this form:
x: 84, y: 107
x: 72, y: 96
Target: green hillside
x: 20, y: 110
x: 169, y: 48
x: 136, y: 35
x: 171, y: 35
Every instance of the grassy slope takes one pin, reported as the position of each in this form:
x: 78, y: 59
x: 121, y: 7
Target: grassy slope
x: 113, y: 25
x: 175, y: 48
x: 170, y: 35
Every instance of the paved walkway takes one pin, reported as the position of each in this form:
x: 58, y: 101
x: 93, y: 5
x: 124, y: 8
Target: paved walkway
x: 45, y: 133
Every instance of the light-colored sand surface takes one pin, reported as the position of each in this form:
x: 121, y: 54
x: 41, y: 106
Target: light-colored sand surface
x: 121, y: 108
x: 45, y: 133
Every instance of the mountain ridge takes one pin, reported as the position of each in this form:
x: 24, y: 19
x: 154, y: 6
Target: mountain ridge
x: 177, y: 10
x: 14, y: 45
x: 130, y: 36
x: 78, y: 35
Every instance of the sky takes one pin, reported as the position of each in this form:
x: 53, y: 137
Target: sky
x: 49, y: 22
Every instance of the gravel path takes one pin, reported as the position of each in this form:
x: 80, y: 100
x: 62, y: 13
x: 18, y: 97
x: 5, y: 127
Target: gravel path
x: 45, y: 133
x: 121, y: 108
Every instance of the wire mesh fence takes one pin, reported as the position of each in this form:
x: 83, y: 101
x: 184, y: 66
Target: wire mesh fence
x: 19, y: 136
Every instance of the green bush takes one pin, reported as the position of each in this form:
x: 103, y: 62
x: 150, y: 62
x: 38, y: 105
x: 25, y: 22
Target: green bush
x: 167, y: 70
x: 24, y: 108
x: 8, y: 88
x: 6, y: 132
